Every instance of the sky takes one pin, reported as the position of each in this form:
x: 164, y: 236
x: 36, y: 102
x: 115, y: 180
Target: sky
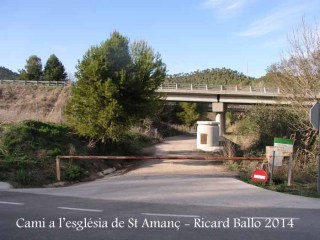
x: 243, y: 35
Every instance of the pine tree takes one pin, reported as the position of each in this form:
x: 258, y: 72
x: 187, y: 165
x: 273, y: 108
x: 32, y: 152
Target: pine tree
x: 33, y: 69
x: 115, y: 88
x: 54, y: 69
x: 189, y: 114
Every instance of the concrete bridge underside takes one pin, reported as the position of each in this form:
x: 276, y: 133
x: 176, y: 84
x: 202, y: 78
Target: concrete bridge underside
x: 221, y: 100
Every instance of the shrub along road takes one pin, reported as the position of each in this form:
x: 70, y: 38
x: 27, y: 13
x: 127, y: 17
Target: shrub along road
x: 185, y: 202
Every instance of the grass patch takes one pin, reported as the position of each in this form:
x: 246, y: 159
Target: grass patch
x: 300, y: 186
x: 131, y: 143
x: 28, y: 150
x: 304, y: 176
x: 301, y: 189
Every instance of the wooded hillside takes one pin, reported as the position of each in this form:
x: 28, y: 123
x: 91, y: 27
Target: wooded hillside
x: 6, y: 73
x: 215, y: 76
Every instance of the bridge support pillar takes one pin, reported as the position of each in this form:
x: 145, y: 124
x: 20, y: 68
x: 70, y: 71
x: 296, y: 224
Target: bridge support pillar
x: 219, y: 109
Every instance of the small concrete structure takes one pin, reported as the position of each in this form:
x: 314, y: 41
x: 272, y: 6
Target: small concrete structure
x: 208, y: 136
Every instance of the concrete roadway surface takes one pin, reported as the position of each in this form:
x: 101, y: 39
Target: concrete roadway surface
x: 159, y: 200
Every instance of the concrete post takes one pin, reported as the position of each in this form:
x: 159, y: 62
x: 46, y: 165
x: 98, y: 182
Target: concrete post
x: 58, y: 173
x: 220, y: 110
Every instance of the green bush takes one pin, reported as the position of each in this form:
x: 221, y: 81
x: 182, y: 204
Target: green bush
x: 24, y: 140
x: 23, y: 177
x: 190, y: 114
x: 74, y: 173
x: 266, y: 123
x: 28, y: 150
x: 130, y: 143
x: 232, y: 117
x: 54, y: 152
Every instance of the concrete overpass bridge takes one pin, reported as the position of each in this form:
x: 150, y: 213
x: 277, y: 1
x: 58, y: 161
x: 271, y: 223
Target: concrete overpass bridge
x: 220, y: 93
x: 220, y: 96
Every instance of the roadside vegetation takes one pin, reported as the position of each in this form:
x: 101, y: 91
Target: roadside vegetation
x: 250, y: 132
x: 297, y: 74
x: 19, y: 103
x: 28, y: 150
x: 303, y: 181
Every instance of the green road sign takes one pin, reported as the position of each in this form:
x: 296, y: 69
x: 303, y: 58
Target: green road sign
x: 284, y: 147
x: 283, y: 141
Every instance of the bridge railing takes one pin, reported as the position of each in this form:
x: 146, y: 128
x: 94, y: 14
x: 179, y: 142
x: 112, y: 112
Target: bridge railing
x: 216, y: 88
x: 166, y: 87
x: 33, y: 83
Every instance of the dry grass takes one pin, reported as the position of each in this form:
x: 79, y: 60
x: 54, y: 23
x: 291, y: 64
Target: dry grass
x: 18, y: 103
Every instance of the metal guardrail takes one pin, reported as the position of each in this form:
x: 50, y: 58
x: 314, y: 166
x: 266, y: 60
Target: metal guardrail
x: 180, y: 87
x: 33, y: 83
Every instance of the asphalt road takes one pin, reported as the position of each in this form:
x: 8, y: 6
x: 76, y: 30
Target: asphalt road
x: 159, y: 200
x: 182, y: 222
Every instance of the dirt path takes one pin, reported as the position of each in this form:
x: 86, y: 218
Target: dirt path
x: 179, y: 145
